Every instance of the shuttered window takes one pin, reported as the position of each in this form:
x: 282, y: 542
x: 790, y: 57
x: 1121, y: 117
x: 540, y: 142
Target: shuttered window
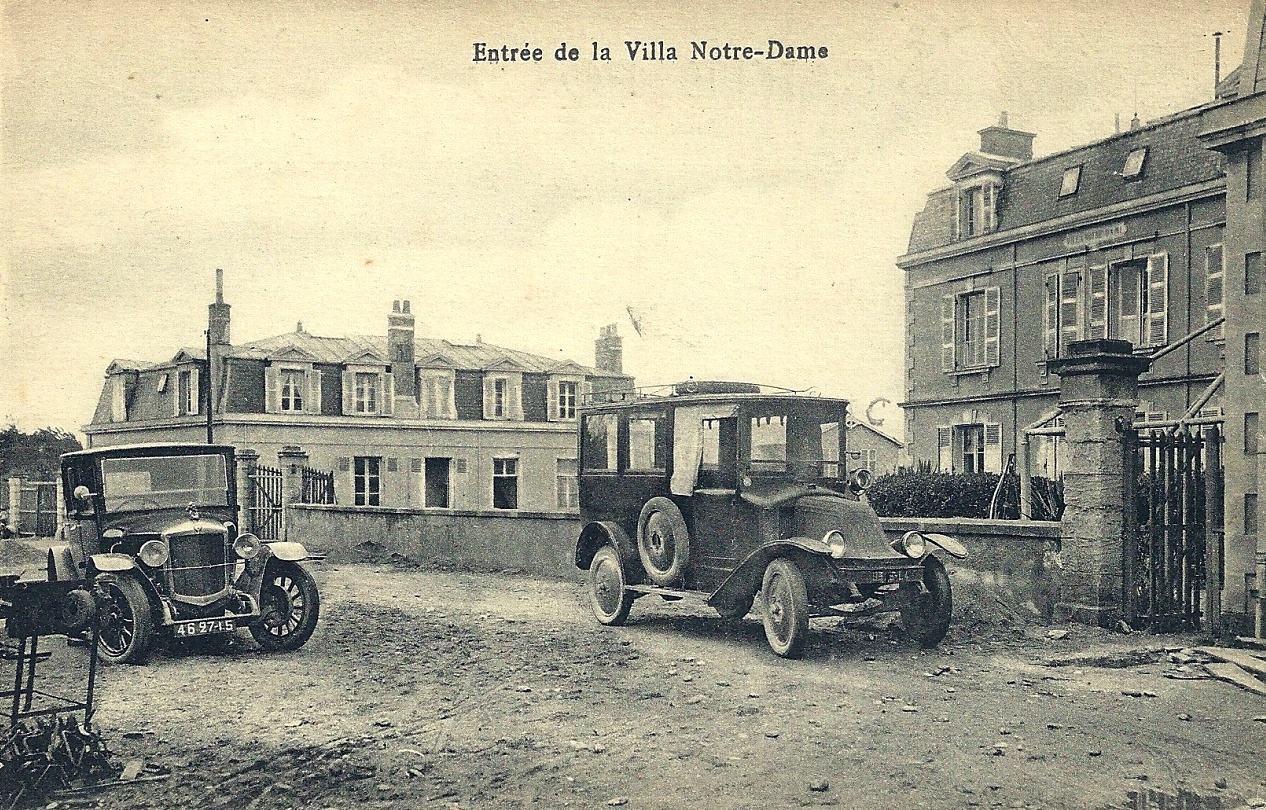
x: 970, y: 330
x: 435, y: 395
x: 1157, y: 300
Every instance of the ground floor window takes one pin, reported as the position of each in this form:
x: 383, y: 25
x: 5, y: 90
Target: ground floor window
x: 505, y: 483
x: 969, y: 448
x: 568, y: 491
x: 970, y: 440
x: 437, y: 483
x: 367, y: 480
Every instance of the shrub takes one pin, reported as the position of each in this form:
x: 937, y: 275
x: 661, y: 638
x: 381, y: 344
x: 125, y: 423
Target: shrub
x: 947, y: 495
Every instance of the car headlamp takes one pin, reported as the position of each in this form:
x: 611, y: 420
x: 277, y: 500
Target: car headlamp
x: 246, y: 546
x: 154, y: 553
x: 835, y: 539
x: 912, y: 545
x: 858, y: 480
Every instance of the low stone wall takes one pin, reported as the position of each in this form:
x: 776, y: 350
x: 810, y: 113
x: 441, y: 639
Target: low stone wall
x: 1013, y: 566
x: 539, y: 543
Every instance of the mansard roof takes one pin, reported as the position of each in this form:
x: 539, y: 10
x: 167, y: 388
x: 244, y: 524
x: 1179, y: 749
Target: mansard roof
x: 1030, y: 191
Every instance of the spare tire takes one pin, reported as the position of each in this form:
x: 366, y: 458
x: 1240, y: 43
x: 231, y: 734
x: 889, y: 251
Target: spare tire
x: 663, y: 541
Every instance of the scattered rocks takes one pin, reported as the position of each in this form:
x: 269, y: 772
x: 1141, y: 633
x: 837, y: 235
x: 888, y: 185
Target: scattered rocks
x: 1219, y: 783
x: 1094, y: 752
x: 819, y: 786
x: 618, y: 801
x: 1056, y: 635
x: 1184, y: 716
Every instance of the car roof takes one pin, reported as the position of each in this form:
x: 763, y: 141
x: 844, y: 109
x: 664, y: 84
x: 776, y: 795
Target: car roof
x: 677, y: 400
x: 150, y: 449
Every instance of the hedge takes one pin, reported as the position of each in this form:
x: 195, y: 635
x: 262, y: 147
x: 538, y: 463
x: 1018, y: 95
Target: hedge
x: 947, y: 495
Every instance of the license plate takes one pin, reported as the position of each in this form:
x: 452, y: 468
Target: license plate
x: 204, y: 627
x: 902, y: 575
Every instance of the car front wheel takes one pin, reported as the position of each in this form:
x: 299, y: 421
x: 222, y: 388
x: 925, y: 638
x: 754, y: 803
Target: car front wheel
x: 927, y: 617
x: 126, y: 622
x: 289, y: 607
x: 786, y: 608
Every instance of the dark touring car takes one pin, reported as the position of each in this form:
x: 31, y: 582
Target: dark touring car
x: 723, y: 491
x: 150, y: 528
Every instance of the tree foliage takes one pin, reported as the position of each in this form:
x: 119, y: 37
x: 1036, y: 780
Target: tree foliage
x: 34, y: 455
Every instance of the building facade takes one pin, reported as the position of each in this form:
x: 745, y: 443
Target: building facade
x: 403, y: 421
x: 1019, y: 257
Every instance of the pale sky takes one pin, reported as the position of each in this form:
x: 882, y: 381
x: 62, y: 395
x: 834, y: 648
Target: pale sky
x: 334, y: 156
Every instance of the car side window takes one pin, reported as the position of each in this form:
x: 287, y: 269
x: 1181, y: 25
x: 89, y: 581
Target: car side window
x: 601, y: 437
x: 648, y: 441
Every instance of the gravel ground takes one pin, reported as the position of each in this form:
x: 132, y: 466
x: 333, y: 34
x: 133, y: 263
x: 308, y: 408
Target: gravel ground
x: 447, y: 689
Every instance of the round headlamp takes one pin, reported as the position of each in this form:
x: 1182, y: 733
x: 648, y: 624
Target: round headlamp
x: 835, y: 539
x: 912, y: 545
x: 858, y: 480
x: 246, y: 546
x: 154, y: 553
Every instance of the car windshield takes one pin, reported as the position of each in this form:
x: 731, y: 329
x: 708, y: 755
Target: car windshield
x: 802, y: 441
x: 153, y: 482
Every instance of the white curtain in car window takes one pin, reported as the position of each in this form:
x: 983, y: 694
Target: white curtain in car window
x: 688, y: 443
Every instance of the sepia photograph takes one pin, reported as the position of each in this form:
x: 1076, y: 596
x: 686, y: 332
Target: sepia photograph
x: 460, y: 404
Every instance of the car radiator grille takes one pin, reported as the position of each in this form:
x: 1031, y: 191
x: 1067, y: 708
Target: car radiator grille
x: 198, y: 564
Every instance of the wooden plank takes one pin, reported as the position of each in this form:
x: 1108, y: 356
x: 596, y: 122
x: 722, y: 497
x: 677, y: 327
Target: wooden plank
x: 1231, y: 673
x: 1241, y: 658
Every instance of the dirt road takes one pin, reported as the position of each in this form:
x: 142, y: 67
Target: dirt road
x: 472, y: 690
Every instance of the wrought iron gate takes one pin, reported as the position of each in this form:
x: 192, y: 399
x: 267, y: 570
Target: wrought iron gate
x: 263, y: 502
x: 1173, y: 533
x: 318, y: 486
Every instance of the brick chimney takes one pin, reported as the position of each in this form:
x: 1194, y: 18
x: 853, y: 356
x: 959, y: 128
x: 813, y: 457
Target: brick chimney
x: 1003, y: 141
x: 608, y: 350
x: 400, y: 349
x: 218, y: 313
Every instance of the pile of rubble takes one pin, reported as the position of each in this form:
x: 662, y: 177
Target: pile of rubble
x: 50, y: 754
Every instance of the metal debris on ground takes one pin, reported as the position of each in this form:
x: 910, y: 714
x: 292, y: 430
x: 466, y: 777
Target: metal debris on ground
x: 49, y: 754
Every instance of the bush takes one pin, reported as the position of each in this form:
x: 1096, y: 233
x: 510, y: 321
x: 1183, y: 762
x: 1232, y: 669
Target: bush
x: 948, y: 495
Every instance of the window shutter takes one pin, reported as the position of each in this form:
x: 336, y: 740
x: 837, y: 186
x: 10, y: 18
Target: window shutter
x: 989, y: 195
x: 1051, y: 342
x: 447, y: 408
x: 514, y: 393
x: 270, y: 390
x: 586, y: 393
x: 551, y: 406
x: 313, y: 403
x: 426, y: 397
x: 1069, y: 308
x: 118, y: 400
x: 349, y: 393
x: 1097, y: 314
x: 490, y: 397
x: 958, y: 215
x: 993, y: 448
x: 1157, y: 299
x: 992, y: 317
x: 947, y: 333
x: 195, y: 393
x: 944, y: 452
x: 1128, y: 285
x: 387, y: 387
x: 1215, y: 275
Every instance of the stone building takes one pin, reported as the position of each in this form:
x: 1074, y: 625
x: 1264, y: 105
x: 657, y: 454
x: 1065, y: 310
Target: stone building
x: 403, y: 420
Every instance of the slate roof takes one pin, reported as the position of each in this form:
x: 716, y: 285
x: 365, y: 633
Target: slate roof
x: 344, y: 349
x: 1175, y: 159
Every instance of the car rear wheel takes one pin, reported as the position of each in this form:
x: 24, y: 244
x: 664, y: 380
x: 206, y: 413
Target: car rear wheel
x: 608, y: 597
x: 126, y: 622
x: 663, y: 542
x: 289, y: 607
x: 927, y: 617
x: 786, y: 608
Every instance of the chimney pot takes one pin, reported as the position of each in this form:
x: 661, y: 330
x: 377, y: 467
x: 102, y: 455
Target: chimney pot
x: 299, y: 326
x: 395, y: 306
x: 1135, y: 123
x: 406, y: 306
x: 1002, y: 119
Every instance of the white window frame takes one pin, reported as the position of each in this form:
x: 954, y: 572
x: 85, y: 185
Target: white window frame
x: 561, y: 407
x: 567, y: 484
x: 1070, y: 183
x: 292, y: 383
x: 191, y: 405
x: 511, y: 405
x: 499, y: 465
x: 954, y: 309
x: 976, y: 209
x: 1134, y: 164
x: 384, y: 391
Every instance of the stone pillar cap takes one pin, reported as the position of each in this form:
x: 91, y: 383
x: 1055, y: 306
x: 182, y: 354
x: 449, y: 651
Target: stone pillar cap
x: 1100, y: 355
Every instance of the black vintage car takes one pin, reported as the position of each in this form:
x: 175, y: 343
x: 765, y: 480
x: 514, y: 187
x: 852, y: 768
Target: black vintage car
x: 725, y: 491
x: 150, y: 528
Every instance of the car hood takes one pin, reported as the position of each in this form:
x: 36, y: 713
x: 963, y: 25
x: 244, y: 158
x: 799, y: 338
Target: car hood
x: 165, y: 520
x: 864, y: 537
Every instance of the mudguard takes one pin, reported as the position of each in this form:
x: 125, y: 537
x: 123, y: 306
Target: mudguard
x: 288, y: 551
x: 603, y: 532
x: 950, y: 545
x: 61, y: 565
x: 746, y: 578
x: 112, y: 562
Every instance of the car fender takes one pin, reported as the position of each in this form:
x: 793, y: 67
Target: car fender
x: 288, y: 551
x: 600, y: 533
x: 61, y: 565
x: 948, y: 544
x: 745, y: 580
x: 113, y: 562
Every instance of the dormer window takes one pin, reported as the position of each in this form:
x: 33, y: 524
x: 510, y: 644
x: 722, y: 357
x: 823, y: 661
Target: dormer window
x: 1134, y: 161
x: 1071, y: 181
x: 977, y: 210
x: 293, y: 381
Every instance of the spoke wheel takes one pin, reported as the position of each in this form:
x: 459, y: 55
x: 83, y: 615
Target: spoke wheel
x: 289, y: 607
x: 126, y: 621
x: 608, y: 597
x: 927, y: 618
x: 786, y: 608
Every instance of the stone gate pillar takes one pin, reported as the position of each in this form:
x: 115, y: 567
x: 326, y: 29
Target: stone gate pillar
x: 1098, y: 395
x: 246, y: 461
x: 15, y: 505
x: 292, y: 459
